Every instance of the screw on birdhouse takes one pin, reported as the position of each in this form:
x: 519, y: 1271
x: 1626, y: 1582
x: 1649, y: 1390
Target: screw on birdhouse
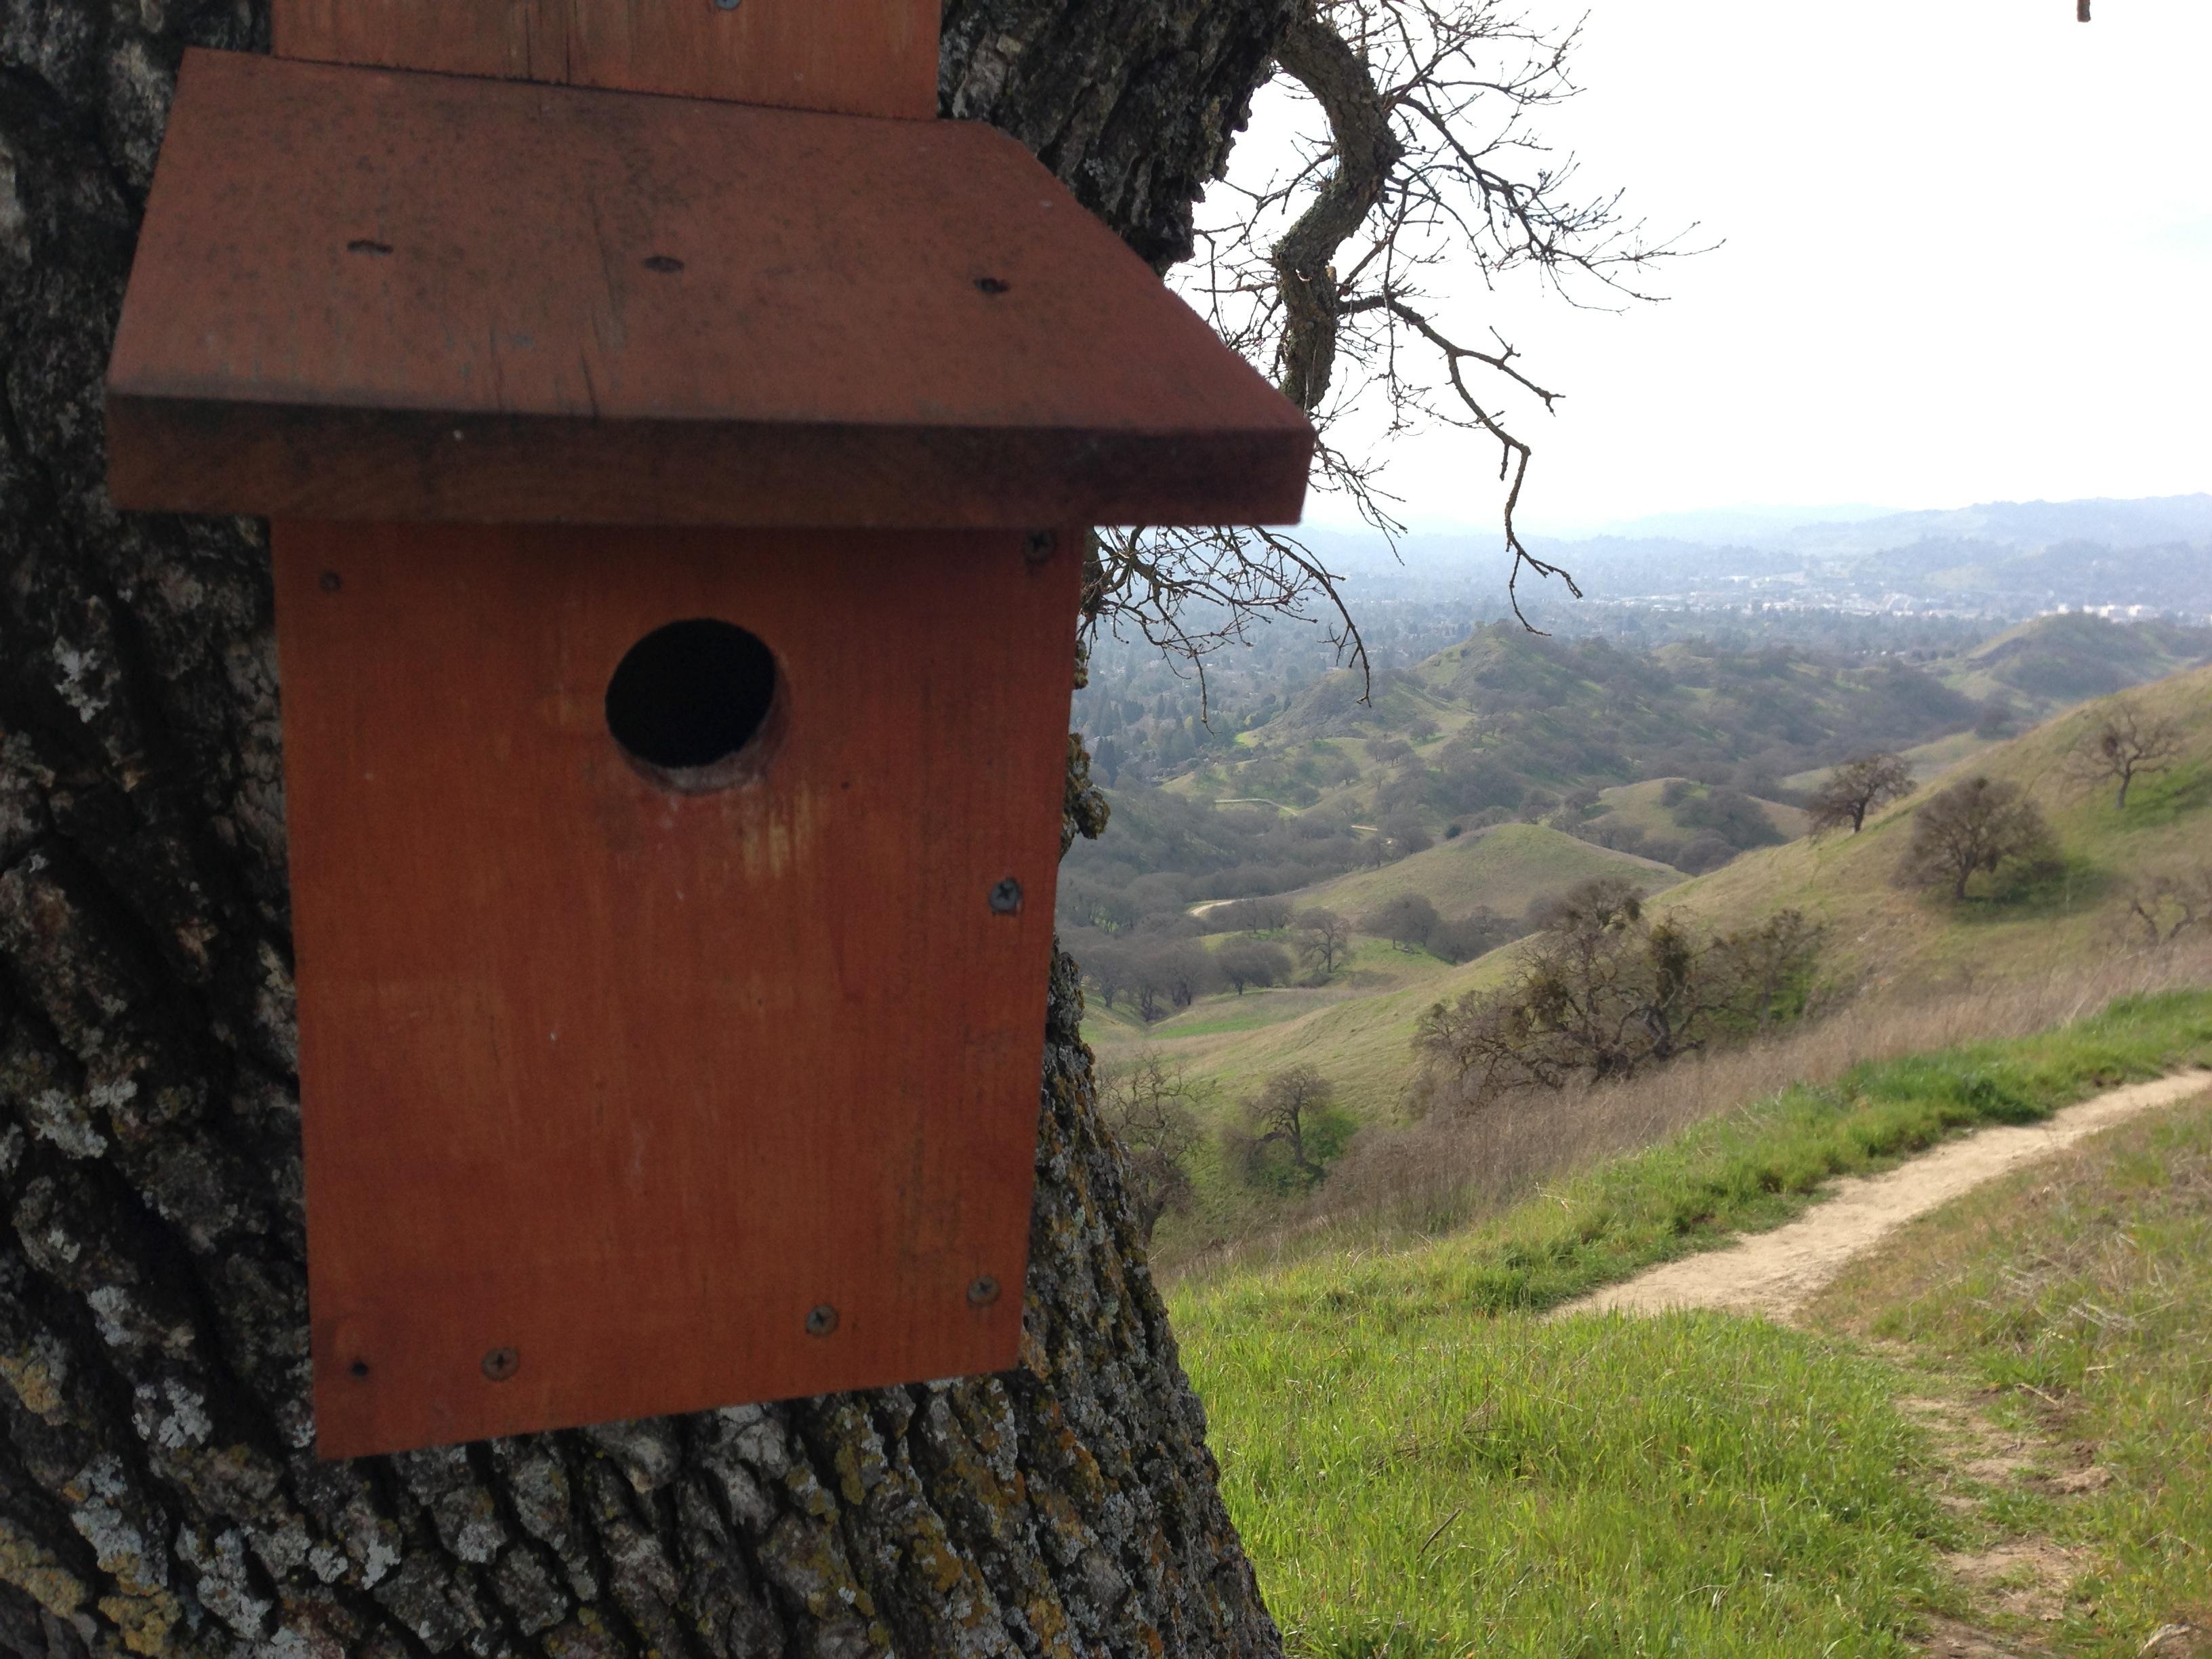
x: 822, y: 1320
x: 993, y: 284
x: 501, y: 1364
x: 1006, y: 896
x: 368, y: 245
x: 726, y: 5
x: 359, y: 1368
x: 982, y: 1291
x: 663, y: 262
x: 329, y: 581
x: 1040, y: 546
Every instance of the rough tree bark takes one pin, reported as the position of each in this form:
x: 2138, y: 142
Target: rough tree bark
x: 157, y: 1489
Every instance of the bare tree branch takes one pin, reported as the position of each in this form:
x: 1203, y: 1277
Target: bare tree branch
x: 1418, y: 158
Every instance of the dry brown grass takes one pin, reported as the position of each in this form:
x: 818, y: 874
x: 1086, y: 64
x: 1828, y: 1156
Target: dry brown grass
x: 1400, y: 1185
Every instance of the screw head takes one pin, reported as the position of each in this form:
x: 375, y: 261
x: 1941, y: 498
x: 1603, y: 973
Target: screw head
x: 983, y: 1291
x: 663, y: 263
x: 822, y: 1320
x: 358, y: 1368
x: 501, y: 1364
x: 329, y: 581
x: 1007, y: 897
x: 992, y: 285
x: 1041, y: 546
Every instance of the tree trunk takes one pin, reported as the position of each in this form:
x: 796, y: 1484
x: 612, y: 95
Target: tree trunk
x: 158, y: 1490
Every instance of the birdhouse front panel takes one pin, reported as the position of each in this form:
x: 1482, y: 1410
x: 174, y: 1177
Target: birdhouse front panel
x: 673, y: 912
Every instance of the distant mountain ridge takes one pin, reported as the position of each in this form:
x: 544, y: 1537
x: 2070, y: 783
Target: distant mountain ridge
x: 2024, y: 526
x: 1857, y: 528
x: 1997, y: 559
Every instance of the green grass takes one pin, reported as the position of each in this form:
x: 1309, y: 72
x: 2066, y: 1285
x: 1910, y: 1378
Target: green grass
x: 1690, y: 1484
x: 1618, y: 1487
x: 1750, y: 1169
x: 2077, y: 1298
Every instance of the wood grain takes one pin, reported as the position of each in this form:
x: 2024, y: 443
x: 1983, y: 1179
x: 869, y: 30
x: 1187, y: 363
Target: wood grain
x: 628, y: 1081
x: 858, y: 56
x: 466, y: 301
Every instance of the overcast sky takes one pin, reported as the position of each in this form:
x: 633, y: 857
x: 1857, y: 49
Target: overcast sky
x: 1968, y: 256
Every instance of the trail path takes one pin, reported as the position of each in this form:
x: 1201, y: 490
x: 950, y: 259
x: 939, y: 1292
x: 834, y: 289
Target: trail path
x: 1776, y: 1272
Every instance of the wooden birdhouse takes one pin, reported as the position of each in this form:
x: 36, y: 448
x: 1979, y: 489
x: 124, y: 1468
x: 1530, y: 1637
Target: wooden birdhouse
x: 679, y: 480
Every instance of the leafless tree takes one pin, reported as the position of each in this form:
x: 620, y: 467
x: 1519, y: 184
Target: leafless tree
x: 1327, y: 936
x: 1847, y: 794
x: 2170, y: 903
x: 1973, y: 826
x: 1285, y: 1115
x: 2124, y: 743
x: 1418, y: 163
x: 1148, y: 1106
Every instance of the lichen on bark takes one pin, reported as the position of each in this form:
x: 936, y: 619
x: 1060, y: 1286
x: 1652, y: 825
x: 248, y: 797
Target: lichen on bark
x: 158, y: 1489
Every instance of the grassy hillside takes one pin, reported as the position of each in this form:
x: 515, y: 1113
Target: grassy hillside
x: 1882, y: 935
x: 1882, y: 941
x: 1641, y: 806
x: 1508, y: 723
x: 1420, y: 1467
x: 1355, y: 1025
x: 1507, y: 868
x: 2056, y: 661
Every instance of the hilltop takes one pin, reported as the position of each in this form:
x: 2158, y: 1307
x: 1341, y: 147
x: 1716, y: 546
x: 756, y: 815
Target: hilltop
x: 2062, y: 659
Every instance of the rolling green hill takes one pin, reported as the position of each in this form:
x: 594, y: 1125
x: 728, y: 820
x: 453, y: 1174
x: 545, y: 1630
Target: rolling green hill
x: 1510, y: 723
x: 1880, y: 938
x: 2052, y: 661
x: 1884, y: 936
x: 1507, y: 868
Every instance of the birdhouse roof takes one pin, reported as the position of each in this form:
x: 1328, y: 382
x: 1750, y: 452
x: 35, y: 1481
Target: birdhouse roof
x: 371, y: 295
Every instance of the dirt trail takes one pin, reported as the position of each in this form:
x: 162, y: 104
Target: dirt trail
x: 1776, y: 1273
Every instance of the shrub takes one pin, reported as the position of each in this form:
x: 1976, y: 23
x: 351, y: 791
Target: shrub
x: 1605, y: 990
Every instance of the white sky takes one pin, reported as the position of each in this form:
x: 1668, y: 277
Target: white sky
x: 1968, y: 257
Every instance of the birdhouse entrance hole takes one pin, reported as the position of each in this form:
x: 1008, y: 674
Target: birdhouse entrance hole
x: 695, y: 705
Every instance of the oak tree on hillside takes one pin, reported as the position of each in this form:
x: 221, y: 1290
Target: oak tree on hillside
x: 1972, y: 827
x: 1252, y: 962
x: 1327, y: 936
x: 1147, y: 1106
x: 1406, y: 920
x: 1854, y: 789
x: 2123, y: 742
x: 1293, y: 1129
